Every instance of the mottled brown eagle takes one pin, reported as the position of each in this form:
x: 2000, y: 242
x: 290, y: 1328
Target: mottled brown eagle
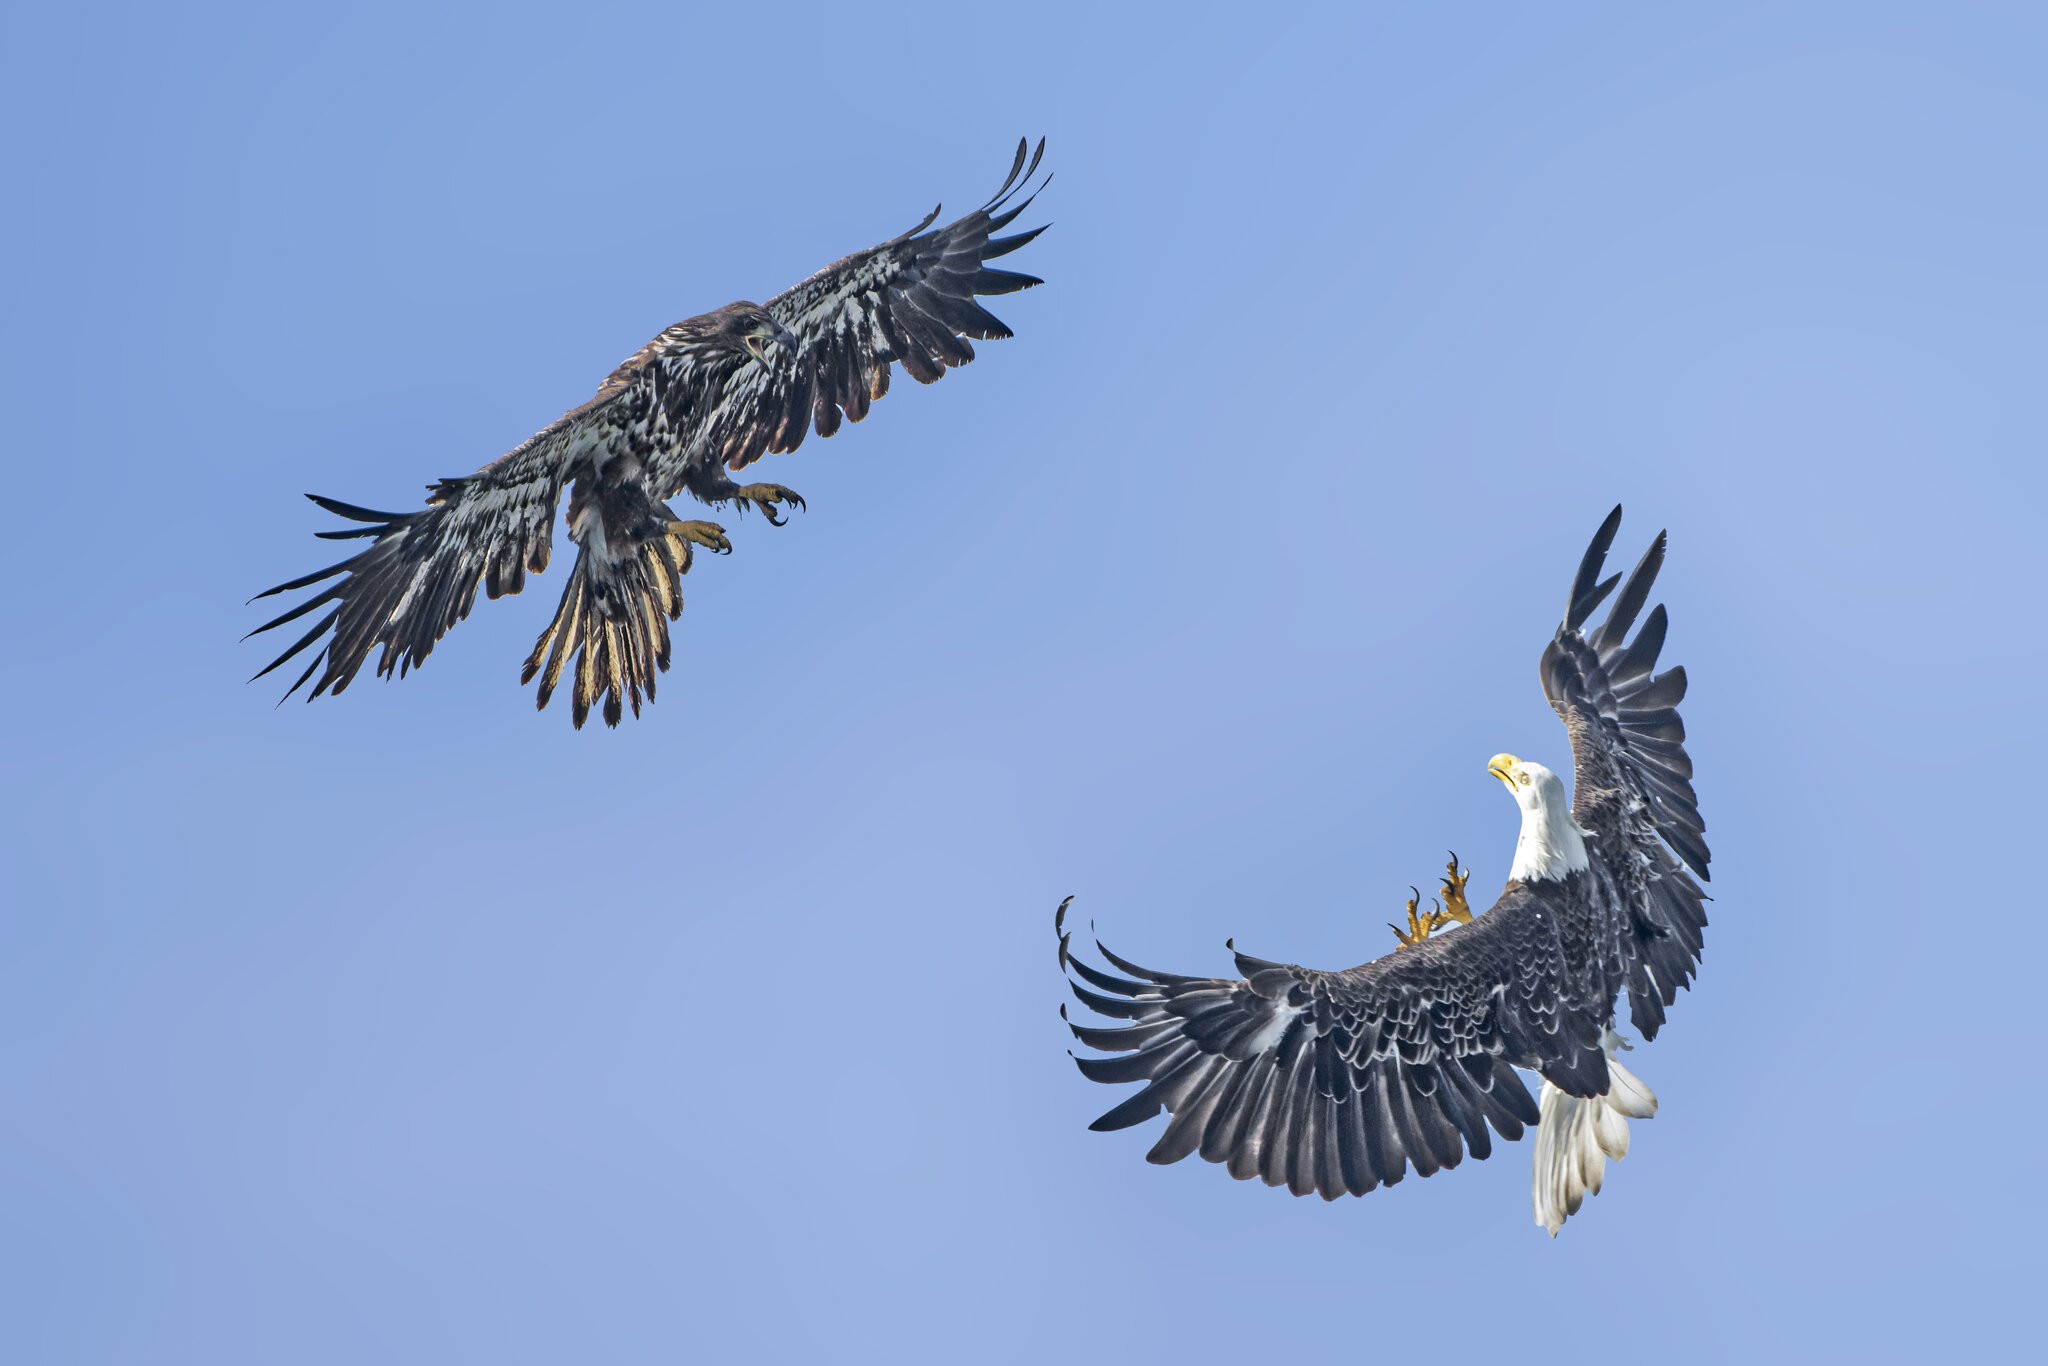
x: 1336, y: 1082
x: 708, y: 396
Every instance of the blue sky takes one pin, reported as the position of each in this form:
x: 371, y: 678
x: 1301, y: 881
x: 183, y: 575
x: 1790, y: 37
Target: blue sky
x: 414, y: 1026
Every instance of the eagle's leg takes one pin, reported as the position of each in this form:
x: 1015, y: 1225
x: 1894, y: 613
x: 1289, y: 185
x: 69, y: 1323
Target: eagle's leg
x: 1420, y: 926
x: 710, y: 535
x: 708, y: 484
x: 682, y: 535
x: 1456, y: 909
x: 763, y: 498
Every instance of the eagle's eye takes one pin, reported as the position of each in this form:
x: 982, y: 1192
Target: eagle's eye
x: 1522, y: 778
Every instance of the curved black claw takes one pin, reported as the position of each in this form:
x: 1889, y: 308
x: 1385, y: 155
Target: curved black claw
x: 1456, y: 908
x: 685, y: 535
x: 763, y: 498
x: 1420, y: 926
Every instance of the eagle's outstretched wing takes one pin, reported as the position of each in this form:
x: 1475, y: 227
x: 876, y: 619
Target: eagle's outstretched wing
x: 1336, y: 1082
x: 420, y: 576
x: 909, y: 300
x: 1632, y: 783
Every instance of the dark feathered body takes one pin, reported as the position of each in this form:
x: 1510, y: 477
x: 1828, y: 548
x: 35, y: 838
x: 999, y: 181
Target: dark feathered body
x: 1337, y: 1082
x: 708, y: 396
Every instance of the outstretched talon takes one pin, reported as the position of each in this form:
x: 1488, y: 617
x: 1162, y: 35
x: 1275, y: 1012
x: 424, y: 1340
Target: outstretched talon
x: 1420, y: 927
x: 1456, y: 908
x: 710, y: 535
x: 763, y: 498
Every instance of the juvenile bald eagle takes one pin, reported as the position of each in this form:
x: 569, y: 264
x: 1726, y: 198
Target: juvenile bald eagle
x: 709, y: 395
x: 1336, y: 1082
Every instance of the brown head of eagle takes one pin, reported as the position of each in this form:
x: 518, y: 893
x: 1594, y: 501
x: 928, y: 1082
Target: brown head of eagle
x: 705, y: 399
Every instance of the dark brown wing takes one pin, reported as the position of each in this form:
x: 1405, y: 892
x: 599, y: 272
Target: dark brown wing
x: 1337, y: 1082
x: 1632, y: 779
x: 910, y: 300
x: 421, y: 575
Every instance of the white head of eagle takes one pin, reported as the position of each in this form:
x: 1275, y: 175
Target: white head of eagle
x: 1339, y: 1082
x: 1553, y: 843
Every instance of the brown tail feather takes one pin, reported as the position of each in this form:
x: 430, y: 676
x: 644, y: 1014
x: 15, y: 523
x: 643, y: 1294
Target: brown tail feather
x: 612, y: 627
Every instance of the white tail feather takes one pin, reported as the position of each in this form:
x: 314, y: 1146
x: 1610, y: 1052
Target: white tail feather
x: 1578, y: 1134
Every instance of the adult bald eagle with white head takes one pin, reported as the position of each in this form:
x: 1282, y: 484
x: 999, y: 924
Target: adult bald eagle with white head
x: 1336, y: 1082
x: 705, y: 399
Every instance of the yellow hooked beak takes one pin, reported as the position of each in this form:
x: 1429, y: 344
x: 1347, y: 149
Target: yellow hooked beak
x: 1502, y: 766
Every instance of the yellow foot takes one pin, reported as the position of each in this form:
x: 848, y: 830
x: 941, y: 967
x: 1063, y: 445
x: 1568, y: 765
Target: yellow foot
x: 1420, y: 926
x: 763, y: 498
x: 683, y: 535
x: 710, y: 535
x: 1456, y: 908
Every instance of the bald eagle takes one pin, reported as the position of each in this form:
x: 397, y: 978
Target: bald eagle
x: 708, y: 396
x: 1337, y: 1082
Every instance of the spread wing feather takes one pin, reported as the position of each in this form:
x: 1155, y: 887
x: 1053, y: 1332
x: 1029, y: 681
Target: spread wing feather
x: 674, y: 406
x: 910, y: 300
x: 1335, y: 1083
x: 421, y: 574
x: 1632, y: 782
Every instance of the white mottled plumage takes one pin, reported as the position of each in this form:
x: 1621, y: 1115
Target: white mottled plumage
x: 708, y: 396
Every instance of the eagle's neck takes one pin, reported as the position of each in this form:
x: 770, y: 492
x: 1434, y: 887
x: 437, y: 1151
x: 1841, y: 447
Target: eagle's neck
x: 1552, y: 845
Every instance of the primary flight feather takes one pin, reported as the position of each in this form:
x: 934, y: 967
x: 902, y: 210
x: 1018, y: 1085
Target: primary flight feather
x: 707, y: 397
x: 1338, y: 1082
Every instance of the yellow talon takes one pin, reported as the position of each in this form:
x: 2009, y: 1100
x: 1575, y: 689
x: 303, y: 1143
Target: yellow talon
x: 710, y: 535
x: 1456, y: 908
x: 1420, y: 926
x: 763, y: 498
